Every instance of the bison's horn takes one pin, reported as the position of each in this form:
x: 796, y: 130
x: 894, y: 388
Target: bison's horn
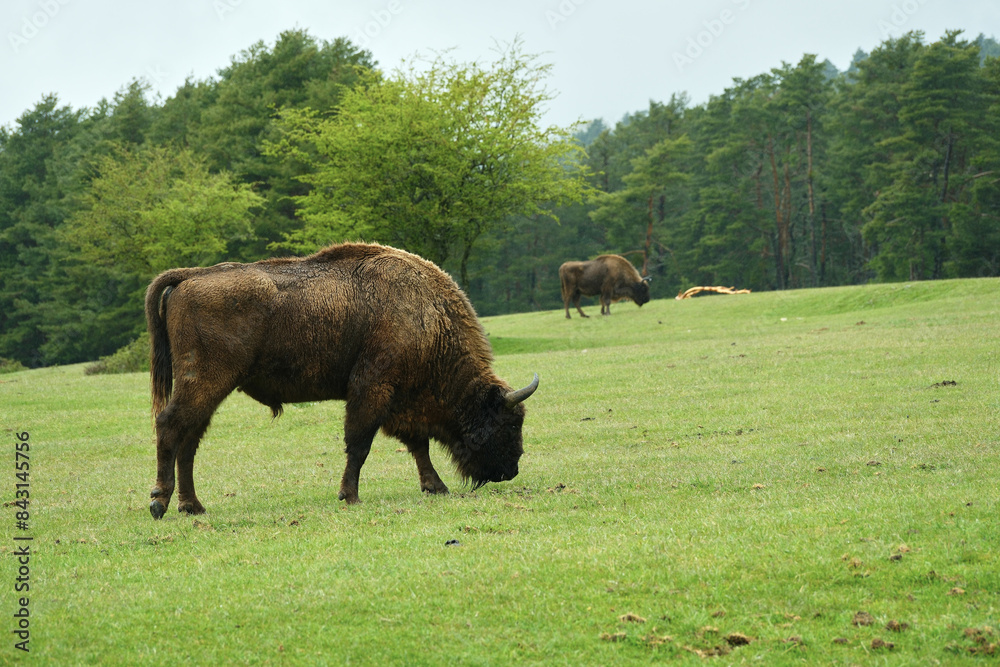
x: 515, y: 396
x: 646, y: 279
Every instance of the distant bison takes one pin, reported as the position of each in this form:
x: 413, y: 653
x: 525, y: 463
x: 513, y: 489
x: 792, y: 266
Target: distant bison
x: 384, y: 330
x: 611, y: 276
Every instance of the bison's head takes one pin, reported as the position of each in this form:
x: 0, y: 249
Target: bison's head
x: 491, y: 443
x: 640, y: 291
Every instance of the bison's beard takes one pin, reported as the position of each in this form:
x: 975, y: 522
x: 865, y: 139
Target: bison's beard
x: 490, y: 445
x: 479, y: 473
x: 496, y: 476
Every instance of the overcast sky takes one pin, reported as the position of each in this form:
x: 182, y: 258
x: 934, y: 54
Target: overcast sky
x: 609, y: 57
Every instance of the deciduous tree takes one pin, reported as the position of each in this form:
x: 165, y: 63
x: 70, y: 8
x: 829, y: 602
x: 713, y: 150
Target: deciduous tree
x: 429, y: 159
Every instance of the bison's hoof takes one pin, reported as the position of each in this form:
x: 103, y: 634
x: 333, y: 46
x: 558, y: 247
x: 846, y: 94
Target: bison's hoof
x: 157, y: 509
x: 435, y: 489
x: 194, y: 507
x: 349, y: 498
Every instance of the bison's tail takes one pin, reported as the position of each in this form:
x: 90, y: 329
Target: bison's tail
x: 161, y: 373
x: 564, y: 284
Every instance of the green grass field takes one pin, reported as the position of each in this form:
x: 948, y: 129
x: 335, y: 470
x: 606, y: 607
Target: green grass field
x: 807, y: 477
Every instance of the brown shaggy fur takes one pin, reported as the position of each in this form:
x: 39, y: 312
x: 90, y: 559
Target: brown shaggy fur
x: 611, y: 276
x: 382, y: 329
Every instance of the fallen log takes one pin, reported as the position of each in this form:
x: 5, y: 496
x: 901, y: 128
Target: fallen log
x: 694, y: 291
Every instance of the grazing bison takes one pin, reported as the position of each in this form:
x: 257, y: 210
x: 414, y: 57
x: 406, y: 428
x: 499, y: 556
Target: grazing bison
x: 386, y: 331
x: 611, y: 276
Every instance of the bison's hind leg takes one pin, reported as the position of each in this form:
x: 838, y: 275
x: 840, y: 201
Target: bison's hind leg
x: 178, y: 431
x: 420, y: 449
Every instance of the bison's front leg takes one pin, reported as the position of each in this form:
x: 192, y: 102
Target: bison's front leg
x: 429, y: 480
x: 358, y: 446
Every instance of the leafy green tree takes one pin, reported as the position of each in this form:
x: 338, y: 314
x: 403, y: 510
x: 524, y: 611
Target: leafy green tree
x: 924, y: 184
x: 151, y: 209
x: 132, y: 114
x: 636, y: 217
x: 864, y: 122
x: 146, y: 209
x: 611, y: 153
x: 989, y: 48
x: 430, y: 160
x: 227, y: 121
x: 33, y: 204
x: 976, y: 224
x: 728, y: 237
x: 803, y: 103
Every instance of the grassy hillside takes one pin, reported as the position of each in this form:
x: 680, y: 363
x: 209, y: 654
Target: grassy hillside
x: 786, y: 477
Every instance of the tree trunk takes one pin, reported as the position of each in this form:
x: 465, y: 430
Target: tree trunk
x: 812, y: 201
x: 779, y: 225
x: 467, y: 243
x: 822, y: 244
x: 941, y: 251
x: 649, y: 239
x: 787, y: 237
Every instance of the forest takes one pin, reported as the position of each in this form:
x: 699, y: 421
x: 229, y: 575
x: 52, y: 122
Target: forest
x: 802, y: 176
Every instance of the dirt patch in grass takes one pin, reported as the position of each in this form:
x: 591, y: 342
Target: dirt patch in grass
x: 862, y: 618
x: 631, y: 618
x: 712, y: 652
x: 656, y: 640
x: 738, y: 639
x: 730, y: 641
x: 984, y: 640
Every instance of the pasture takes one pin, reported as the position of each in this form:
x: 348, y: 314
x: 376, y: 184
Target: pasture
x: 775, y: 478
